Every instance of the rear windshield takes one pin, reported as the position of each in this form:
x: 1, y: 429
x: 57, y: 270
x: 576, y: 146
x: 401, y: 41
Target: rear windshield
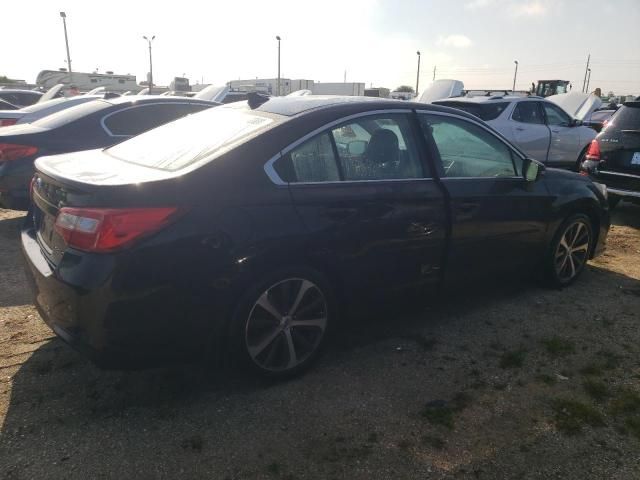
x: 484, y: 111
x: 627, y: 117
x: 71, y: 114
x: 36, y: 107
x: 191, y: 139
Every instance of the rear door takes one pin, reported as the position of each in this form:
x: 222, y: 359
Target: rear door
x: 529, y: 130
x: 498, y: 219
x: 364, y: 193
x: 565, y: 138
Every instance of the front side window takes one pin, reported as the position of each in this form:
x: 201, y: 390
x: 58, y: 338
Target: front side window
x: 467, y: 150
x: 555, y: 115
x: 528, y: 112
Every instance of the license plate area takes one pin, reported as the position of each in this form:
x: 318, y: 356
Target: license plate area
x: 635, y: 159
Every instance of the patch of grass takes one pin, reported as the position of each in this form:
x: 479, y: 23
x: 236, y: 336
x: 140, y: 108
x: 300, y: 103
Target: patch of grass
x: 572, y: 415
x: 612, y: 360
x: 625, y: 401
x: 546, y: 379
x: 443, y: 413
x: 273, y: 468
x: 596, y: 389
x: 558, y: 346
x: 591, y: 369
x: 632, y: 425
x: 432, y: 441
x: 513, y: 358
x: 496, y: 345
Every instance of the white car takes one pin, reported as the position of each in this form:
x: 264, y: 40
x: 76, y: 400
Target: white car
x: 542, y: 130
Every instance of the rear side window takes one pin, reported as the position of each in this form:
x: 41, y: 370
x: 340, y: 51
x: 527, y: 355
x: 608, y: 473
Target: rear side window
x: 314, y: 161
x: 484, y: 111
x: 528, y: 112
x: 467, y: 150
x: 626, y: 118
x: 135, y: 120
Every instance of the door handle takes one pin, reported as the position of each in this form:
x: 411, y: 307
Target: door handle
x: 520, y: 129
x: 555, y: 131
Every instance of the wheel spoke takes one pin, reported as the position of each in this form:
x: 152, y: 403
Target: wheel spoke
x: 563, y: 242
x: 315, y: 322
x: 266, y: 304
x: 293, y: 359
x: 573, y: 267
x: 579, y: 227
x: 304, y: 286
x: 256, y: 350
x: 580, y: 248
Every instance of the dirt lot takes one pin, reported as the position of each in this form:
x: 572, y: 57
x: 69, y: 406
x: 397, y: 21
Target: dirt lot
x: 506, y: 381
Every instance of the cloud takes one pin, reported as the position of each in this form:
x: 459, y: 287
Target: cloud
x: 457, y: 41
x: 530, y: 9
x: 474, y: 4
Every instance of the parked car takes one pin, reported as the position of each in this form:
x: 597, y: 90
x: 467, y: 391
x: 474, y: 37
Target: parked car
x: 4, y: 105
x: 94, y: 124
x: 540, y: 128
x: 40, y: 110
x: 241, y: 232
x: 18, y: 97
x: 613, y: 157
x: 598, y: 119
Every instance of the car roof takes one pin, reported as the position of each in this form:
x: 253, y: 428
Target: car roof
x: 142, y: 99
x: 19, y: 90
x: 291, y: 106
x: 493, y: 98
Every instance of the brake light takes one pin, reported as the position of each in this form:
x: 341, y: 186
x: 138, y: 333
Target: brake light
x: 5, y: 122
x: 10, y: 151
x: 104, y: 230
x: 593, y: 153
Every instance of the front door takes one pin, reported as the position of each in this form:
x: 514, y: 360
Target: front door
x: 529, y: 130
x: 498, y: 219
x: 565, y: 138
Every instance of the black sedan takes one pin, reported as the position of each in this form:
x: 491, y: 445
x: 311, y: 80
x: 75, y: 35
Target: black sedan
x: 94, y: 124
x: 613, y: 157
x: 244, y: 229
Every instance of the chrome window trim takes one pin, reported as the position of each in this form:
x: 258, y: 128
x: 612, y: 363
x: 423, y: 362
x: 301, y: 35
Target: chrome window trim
x: 275, y: 178
x: 623, y: 193
x: 619, y: 174
x: 108, y: 132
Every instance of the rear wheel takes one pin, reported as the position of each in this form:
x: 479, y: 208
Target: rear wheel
x: 569, y: 251
x: 283, y: 322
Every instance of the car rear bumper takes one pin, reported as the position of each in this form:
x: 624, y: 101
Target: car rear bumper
x: 620, y: 184
x: 78, y: 301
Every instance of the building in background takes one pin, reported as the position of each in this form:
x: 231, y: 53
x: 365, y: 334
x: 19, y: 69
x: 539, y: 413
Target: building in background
x: 112, y: 82
x: 287, y: 86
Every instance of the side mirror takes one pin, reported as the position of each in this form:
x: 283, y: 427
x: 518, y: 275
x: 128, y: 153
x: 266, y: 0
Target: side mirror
x: 531, y: 169
x: 575, y: 122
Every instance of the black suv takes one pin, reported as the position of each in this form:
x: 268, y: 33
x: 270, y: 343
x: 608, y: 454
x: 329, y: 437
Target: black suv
x: 613, y: 157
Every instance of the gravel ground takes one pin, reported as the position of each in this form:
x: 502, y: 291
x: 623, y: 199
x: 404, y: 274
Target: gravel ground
x: 506, y: 380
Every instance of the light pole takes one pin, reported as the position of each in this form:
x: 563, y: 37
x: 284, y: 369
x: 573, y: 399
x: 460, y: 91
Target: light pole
x: 63, y: 15
x: 514, y: 76
x: 150, y: 63
x: 588, y: 80
x: 278, y: 86
x: 418, y: 74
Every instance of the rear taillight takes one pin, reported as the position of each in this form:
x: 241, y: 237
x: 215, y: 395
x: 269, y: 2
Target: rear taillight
x: 593, y: 153
x: 105, y: 230
x: 5, y: 122
x: 10, y: 151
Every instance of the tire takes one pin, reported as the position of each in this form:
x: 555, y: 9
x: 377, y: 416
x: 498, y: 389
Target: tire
x: 569, y: 251
x: 283, y: 321
x: 613, y: 201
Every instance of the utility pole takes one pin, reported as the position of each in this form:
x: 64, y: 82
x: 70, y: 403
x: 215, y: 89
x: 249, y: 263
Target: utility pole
x: 434, y: 72
x: 345, y: 76
x: 150, y: 64
x: 418, y: 75
x: 586, y: 70
x: 278, y: 87
x: 514, y: 76
x: 63, y: 15
x: 588, y: 80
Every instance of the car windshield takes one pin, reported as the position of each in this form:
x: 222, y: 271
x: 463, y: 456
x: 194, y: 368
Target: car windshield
x: 68, y: 115
x: 191, y: 139
x: 484, y: 111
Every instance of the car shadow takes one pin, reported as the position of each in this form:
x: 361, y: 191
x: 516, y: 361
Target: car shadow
x: 626, y: 214
x: 63, y: 411
x: 12, y: 279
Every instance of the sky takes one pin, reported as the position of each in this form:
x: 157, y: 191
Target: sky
x: 373, y: 41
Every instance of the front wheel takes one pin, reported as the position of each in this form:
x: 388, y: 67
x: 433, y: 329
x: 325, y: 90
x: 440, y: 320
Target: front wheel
x: 282, y: 323
x: 569, y: 250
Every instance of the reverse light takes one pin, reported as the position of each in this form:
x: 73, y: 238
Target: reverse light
x: 6, y: 122
x: 593, y: 153
x: 11, y: 151
x: 105, y: 230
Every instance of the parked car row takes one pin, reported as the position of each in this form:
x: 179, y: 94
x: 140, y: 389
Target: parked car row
x: 243, y: 230
x: 19, y: 98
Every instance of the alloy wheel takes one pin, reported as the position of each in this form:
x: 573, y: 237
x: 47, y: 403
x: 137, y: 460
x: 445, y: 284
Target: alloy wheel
x: 286, y: 324
x: 572, y: 251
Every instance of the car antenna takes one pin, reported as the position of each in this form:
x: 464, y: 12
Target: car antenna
x: 255, y: 99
